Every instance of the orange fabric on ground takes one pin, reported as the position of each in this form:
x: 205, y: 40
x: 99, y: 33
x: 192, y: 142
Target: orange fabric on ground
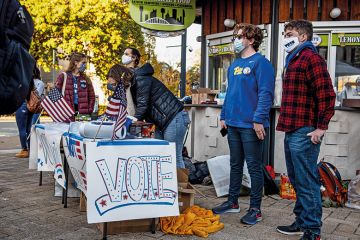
x: 193, y: 221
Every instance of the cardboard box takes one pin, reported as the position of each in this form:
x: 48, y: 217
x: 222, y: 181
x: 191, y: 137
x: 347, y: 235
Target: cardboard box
x: 350, y: 102
x: 186, y: 192
x: 137, y: 225
x: 202, y: 95
x: 82, y: 202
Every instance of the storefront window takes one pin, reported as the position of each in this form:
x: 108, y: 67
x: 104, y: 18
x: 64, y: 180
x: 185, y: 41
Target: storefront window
x: 220, y: 58
x: 218, y: 66
x: 347, y: 72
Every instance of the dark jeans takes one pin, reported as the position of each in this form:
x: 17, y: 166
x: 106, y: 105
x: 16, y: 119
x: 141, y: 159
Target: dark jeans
x: 244, y: 144
x: 301, y: 161
x: 175, y: 132
x: 23, y: 121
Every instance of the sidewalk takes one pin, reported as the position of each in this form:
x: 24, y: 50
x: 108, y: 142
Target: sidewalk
x: 29, y: 211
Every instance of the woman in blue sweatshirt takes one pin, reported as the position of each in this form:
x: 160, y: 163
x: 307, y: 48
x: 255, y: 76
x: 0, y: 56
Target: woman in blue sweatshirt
x: 245, y: 115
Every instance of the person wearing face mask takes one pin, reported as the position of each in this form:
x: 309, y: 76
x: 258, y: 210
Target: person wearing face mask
x: 245, y: 115
x: 131, y: 58
x: 79, y: 91
x: 307, y: 105
x: 119, y: 73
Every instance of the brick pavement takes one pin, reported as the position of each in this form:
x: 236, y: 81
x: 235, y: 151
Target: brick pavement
x: 29, y: 211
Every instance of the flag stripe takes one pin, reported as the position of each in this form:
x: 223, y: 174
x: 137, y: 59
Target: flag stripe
x: 66, y: 108
x: 49, y: 110
x: 57, y: 110
x: 56, y: 106
x: 54, y: 110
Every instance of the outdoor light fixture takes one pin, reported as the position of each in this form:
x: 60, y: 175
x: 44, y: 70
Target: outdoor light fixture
x: 335, y: 12
x: 229, y: 23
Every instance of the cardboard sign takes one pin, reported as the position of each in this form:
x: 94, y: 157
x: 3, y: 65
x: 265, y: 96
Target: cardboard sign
x: 75, y: 155
x: 131, y: 179
x: 48, y: 149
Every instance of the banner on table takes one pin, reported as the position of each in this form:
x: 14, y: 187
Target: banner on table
x: 49, y: 157
x: 75, y: 155
x: 131, y: 179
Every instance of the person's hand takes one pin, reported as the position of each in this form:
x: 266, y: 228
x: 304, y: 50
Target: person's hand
x: 259, y: 130
x: 222, y: 124
x: 316, y: 135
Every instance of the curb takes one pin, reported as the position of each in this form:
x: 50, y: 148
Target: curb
x: 10, y: 151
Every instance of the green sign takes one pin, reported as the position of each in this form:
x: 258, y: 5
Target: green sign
x: 163, y: 15
x: 320, y: 40
x: 346, y: 39
x: 221, y: 49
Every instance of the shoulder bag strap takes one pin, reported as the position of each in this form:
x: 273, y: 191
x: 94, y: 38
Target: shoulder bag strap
x: 64, y: 84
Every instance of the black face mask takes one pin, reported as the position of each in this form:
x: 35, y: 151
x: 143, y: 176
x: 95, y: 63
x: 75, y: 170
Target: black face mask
x: 111, y: 87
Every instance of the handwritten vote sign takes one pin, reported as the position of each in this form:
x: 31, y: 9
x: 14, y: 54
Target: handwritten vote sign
x: 131, y: 179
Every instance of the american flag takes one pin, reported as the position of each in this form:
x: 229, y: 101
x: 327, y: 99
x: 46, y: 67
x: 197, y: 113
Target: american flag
x: 56, y: 106
x: 75, y: 148
x: 117, y: 108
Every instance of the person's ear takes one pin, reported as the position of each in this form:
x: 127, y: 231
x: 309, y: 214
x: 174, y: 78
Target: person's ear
x: 251, y: 41
x: 303, y: 37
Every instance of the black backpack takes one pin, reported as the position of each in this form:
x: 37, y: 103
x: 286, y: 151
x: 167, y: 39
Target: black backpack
x: 16, y: 64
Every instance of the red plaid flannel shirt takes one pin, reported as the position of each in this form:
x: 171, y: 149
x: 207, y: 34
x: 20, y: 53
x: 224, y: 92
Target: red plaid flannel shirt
x: 308, y: 97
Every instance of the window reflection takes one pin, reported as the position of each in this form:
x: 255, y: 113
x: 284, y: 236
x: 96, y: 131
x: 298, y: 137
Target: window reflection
x: 347, y: 72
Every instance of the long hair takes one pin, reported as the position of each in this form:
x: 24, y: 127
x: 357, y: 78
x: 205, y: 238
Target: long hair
x: 75, y: 57
x: 137, y: 55
x: 121, y: 73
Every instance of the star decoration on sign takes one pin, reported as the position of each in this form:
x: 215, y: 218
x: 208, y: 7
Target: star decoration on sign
x: 103, y: 202
x: 145, y: 195
x: 125, y: 197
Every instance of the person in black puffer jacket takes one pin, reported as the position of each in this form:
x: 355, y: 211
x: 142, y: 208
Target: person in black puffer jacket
x: 156, y: 104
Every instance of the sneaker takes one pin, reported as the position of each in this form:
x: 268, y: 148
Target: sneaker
x: 310, y: 236
x: 226, y: 207
x: 293, y: 229
x: 252, y: 217
x: 24, y: 153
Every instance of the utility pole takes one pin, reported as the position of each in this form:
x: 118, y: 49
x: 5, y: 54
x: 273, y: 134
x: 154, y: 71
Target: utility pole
x: 183, y: 65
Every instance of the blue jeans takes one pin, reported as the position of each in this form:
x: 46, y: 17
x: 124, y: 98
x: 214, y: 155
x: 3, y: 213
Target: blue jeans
x: 301, y: 161
x: 175, y: 132
x: 245, y: 145
x: 24, y: 122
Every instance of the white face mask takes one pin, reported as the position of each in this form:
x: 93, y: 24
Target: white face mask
x: 125, y: 59
x: 238, y: 45
x: 290, y: 44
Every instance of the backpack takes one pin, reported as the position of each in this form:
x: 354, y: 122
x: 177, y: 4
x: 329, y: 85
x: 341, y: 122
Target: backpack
x: 331, y: 180
x: 16, y: 64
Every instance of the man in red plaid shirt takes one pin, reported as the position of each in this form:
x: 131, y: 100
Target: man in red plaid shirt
x: 307, y: 106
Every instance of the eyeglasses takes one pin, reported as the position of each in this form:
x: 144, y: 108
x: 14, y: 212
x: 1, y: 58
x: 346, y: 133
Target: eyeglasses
x: 240, y: 36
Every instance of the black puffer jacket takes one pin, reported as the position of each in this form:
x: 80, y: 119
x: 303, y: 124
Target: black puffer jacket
x: 153, y: 101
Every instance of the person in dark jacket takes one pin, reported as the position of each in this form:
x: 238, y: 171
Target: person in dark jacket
x: 156, y: 104
x: 79, y: 91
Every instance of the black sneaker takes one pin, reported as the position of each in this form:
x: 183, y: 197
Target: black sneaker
x: 226, y: 207
x: 290, y: 230
x: 310, y: 236
x: 252, y: 217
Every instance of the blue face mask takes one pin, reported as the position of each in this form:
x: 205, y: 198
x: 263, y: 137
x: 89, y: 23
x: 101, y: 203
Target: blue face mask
x: 82, y: 67
x: 111, y: 87
x: 238, y: 45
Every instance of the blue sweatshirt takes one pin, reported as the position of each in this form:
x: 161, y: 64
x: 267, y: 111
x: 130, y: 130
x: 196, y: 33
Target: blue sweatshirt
x: 250, y: 92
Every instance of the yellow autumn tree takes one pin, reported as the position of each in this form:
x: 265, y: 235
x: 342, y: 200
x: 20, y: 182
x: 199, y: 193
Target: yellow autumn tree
x: 100, y: 28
